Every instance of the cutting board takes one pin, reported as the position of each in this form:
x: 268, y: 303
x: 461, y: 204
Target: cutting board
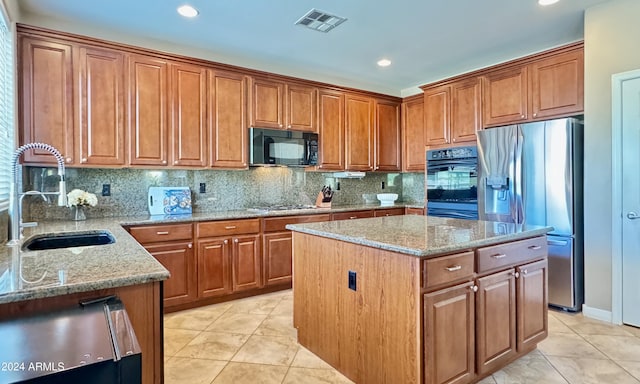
x: 169, y: 200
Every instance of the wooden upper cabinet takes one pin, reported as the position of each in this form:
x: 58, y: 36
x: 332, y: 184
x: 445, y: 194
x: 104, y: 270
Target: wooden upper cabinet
x: 301, y: 107
x: 387, y: 143
x: 228, y: 119
x: 331, y: 130
x: 466, y: 110
x: 505, y: 97
x: 267, y: 103
x: 413, y: 135
x: 359, y: 133
x: 148, y: 110
x: 102, y: 106
x: 46, y: 90
x: 189, y: 115
x: 557, y: 85
x: 437, y: 115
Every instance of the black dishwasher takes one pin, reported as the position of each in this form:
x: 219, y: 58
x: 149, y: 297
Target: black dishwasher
x: 92, y: 343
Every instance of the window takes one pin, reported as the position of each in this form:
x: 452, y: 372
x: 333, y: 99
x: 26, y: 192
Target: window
x: 7, y: 97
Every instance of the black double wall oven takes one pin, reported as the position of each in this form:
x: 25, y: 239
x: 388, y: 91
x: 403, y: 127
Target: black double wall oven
x: 451, y: 178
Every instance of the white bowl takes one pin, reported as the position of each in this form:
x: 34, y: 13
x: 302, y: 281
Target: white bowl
x: 387, y: 199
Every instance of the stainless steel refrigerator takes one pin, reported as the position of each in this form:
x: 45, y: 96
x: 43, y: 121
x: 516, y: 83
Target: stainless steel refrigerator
x: 532, y: 174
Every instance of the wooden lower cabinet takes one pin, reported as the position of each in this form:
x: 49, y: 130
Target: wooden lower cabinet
x: 214, y: 267
x: 178, y: 259
x: 532, y: 304
x: 414, y: 211
x: 449, y: 334
x: 388, y: 212
x: 228, y: 264
x: 496, y: 320
x: 277, y: 258
x: 247, y: 262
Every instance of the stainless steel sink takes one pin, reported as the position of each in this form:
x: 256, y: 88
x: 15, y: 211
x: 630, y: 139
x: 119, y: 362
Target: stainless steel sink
x: 68, y: 240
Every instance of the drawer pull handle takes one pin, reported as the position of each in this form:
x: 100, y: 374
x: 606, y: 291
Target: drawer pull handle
x: 499, y: 255
x: 230, y: 227
x: 534, y: 247
x: 454, y: 268
x: 353, y: 217
x: 162, y: 233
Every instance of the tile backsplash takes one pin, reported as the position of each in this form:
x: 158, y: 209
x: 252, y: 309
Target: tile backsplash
x: 225, y: 190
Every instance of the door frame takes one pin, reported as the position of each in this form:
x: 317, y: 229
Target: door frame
x: 616, y: 191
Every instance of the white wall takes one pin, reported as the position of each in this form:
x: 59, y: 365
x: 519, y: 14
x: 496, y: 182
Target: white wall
x: 612, y: 45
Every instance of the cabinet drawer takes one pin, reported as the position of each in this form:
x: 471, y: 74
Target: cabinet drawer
x: 447, y: 269
x: 277, y: 224
x: 227, y: 227
x: 388, y: 212
x: 158, y: 233
x: 517, y: 252
x: 351, y: 215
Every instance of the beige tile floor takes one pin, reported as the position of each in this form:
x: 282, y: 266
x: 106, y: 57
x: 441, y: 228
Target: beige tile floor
x: 252, y: 341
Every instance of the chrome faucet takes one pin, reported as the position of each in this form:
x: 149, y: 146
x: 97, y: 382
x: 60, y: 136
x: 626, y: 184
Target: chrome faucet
x: 15, y: 197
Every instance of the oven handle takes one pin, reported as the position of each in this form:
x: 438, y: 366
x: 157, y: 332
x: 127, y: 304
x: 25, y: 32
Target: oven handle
x: 451, y: 163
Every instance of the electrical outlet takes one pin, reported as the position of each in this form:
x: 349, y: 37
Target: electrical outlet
x: 106, y: 189
x: 203, y: 187
x: 382, y: 185
x: 352, y: 280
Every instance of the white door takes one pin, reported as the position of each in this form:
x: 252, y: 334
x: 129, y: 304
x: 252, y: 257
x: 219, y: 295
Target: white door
x: 630, y: 120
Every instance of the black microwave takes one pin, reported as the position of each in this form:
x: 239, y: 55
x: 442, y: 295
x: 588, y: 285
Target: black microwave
x: 272, y: 147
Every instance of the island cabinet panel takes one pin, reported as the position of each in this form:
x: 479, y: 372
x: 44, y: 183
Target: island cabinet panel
x: 228, y: 120
x: 449, y: 334
x: 46, y: 89
x: 532, y: 304
x: 370, y: 333
x: 359, y: 131
x: 496, y: 320
x: 189, y: 115
x: 148, y: 110
x: 387, y: 140
x: 413, y: 135
x: 557, y: 85
x: 505, y: 97
x: 331, y: 130
x: 101, y: 113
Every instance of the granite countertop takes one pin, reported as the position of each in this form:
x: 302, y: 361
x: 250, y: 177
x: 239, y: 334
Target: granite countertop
x: 27, y: 275
x: 421, y: 236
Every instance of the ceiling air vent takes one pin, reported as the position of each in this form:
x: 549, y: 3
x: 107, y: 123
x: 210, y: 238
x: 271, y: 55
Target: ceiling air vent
x: 320, y: 21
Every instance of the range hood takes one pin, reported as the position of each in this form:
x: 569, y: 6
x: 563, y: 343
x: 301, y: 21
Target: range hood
x: 349, y: 175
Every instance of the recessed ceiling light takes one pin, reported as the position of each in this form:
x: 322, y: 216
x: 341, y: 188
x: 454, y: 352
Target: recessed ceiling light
x: 547, y: 2
x: 384, y: 62
x: 187, y: 11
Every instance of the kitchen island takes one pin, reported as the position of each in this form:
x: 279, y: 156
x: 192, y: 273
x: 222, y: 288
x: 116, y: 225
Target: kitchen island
x: 419, y: 299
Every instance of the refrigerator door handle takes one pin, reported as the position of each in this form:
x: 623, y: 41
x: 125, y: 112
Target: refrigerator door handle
x: 518, y: 217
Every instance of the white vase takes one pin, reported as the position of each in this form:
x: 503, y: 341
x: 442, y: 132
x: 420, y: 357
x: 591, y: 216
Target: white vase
x: 78, y: 213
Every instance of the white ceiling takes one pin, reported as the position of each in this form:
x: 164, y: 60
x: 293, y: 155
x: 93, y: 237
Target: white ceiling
x: 426, y: 40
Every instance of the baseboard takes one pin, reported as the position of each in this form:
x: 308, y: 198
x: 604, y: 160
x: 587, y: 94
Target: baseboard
x: 598, y: 314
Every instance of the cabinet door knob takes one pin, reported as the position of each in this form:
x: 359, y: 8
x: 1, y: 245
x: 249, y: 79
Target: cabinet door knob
x: 164, y: 161
x: 289, y: 126
x: 84, y: 159
x: 474, y: 288
x: 189, y: 245
x: 524, y: 271
x: 235, y: 241
x: 454, y: 140
x: 516, y: 274
x: 226, y: 242
x: 69, y: 159
x: 280, y: 125
x: 522, y: 116
x: 175, y: 162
